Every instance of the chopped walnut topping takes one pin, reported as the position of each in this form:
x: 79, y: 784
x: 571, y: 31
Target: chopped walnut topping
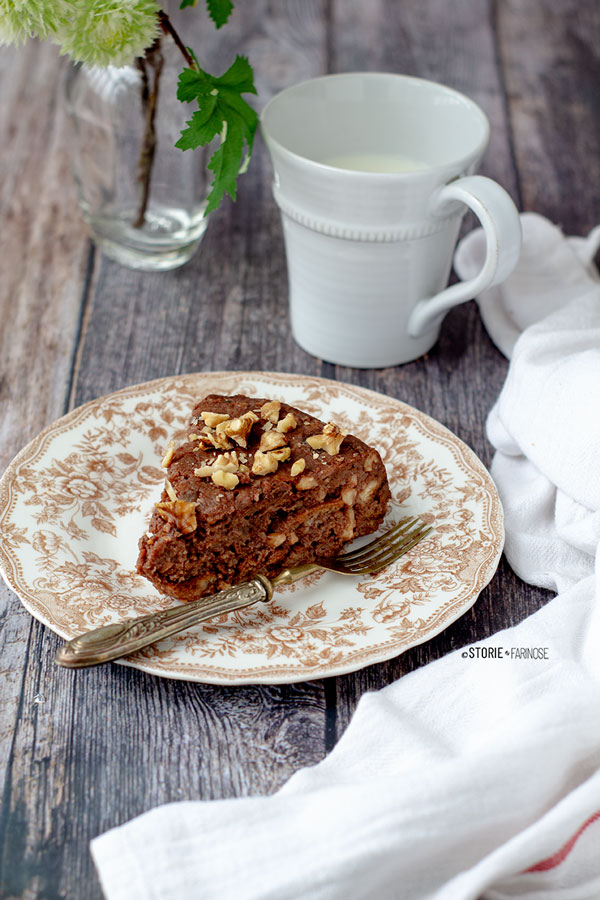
x: 287, y: 424
x: 267, y: 426
x: 179, y: 513
x: 275, y: 540
x: 225, y: 462
x: 298, y: 467
x: 270, y: 440
x: 270, y: 410
x: 238, y: 429
x: 331, y: 428
x: 244, y: 468
x: 264, y: 463
x: 330, y: 440
x: 212, y: 419
x: 306, y: 483
x: 221, y: 442
x: 170, y: 491
x: 212, y: 439
x: 225, y: 479
x: 168, y: 455
x: 267, y: 462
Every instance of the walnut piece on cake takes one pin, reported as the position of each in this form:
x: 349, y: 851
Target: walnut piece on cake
x: 288, y: 489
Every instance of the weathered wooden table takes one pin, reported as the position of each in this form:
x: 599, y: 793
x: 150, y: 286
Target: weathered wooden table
x: 83, y: 751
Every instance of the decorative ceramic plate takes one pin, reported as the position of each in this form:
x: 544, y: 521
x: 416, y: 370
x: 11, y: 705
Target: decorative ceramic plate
x: 74, y: 502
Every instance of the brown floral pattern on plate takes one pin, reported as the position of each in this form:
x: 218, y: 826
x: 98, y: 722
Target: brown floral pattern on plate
x: 73, y: 502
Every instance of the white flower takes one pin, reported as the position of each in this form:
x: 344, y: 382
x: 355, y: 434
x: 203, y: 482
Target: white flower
x: 21, y: 19
x: 96, y: 32
x: 110, y: 32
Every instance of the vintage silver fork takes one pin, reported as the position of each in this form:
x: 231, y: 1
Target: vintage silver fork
x: 114, y: 641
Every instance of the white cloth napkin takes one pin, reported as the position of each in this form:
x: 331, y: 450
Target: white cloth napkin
x: 471, y: 777
x: 551, y: 271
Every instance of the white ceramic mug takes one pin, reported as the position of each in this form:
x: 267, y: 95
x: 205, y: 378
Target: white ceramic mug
x: 373, y: 173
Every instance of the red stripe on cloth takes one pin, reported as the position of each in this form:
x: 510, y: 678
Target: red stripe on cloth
x: 561, y: 855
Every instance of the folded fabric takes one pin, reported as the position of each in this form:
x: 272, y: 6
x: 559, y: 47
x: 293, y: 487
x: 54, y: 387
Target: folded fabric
x: 546, y: 428
x: 552, y: 271
x: 477, y: 775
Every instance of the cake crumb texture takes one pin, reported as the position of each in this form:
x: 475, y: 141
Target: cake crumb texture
x: 259, y: 486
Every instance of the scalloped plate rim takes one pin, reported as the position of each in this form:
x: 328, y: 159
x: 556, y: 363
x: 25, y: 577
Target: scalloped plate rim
x: 259, y: 674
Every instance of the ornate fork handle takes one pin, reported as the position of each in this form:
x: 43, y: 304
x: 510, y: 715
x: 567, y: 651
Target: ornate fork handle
x: 124, y: 638
x: 113, y: 641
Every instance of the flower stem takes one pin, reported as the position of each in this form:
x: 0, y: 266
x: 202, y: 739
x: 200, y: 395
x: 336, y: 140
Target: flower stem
x: 153, y: 60
x: 167, y: 27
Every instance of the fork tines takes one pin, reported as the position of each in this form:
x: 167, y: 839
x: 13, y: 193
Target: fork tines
x: 385, y: 550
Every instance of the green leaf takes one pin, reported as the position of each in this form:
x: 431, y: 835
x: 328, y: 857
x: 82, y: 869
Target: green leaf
x: 226, y: 163
x: 185, y: 3
x: 233, y: 103
x: 238, y: 76
x: 221, y: 111
x: 219, y: 11
x: 205, y: 124
x: 193, y: 84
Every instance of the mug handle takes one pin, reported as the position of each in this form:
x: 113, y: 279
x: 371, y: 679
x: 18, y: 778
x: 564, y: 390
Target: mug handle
x: 502, y: 227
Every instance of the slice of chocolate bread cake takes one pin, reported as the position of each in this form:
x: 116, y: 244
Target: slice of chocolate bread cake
x: 258, y: 487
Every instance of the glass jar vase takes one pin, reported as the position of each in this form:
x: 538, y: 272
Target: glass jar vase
x: 142, y: 198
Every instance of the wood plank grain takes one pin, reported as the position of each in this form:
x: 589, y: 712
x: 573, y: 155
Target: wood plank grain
x: 551, y: 59
x: 227, y: 309
x: 44, y: 252
x: 44, y: 259
x: 456, y: 46
x: 99, y: 746
x: 96, y: 747
x: 87, y: 750
x: 458, y: 381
